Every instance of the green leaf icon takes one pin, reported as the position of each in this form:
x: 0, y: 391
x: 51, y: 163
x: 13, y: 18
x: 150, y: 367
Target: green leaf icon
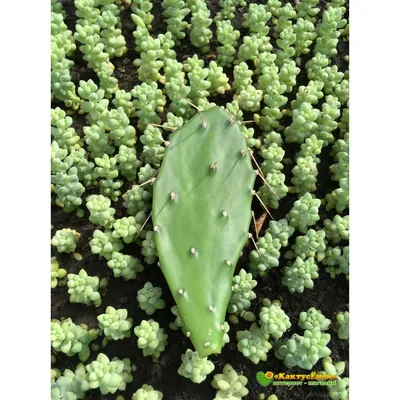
x: 262, y: 379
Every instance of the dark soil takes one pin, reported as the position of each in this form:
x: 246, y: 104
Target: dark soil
x: 329, y: 295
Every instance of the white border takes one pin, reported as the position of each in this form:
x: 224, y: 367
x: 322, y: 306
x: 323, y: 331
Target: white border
x: 374, y: 203
x: 25, y: 200
x: 24, y: 161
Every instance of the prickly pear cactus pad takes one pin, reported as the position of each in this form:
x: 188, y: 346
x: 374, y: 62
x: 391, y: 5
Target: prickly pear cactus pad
x: 201, y: 213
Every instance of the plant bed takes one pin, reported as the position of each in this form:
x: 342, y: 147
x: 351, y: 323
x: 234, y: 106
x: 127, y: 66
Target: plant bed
x: 329, y: 295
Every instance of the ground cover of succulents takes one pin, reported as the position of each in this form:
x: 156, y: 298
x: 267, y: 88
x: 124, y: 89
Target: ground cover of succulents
x: 139, y: 88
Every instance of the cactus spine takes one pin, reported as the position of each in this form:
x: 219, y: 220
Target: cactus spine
x: 201, y: 213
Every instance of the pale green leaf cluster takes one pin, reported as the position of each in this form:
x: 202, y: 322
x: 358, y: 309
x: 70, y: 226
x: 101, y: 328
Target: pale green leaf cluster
x: 198, y: 79
x: 195, y: 368
x: 175, y: 12
x: 307, y: 9
x: 151, y: 338
x: 228, y: 38
x: 109, y: 376
x: 71, y: 339
x: 228, y: 8
x: 57, y: 273
x: 101, y: 212
x: 229, y: 384
x: 124, y: 266
x: 136, y: 199
x: 149, y: 249
x: 304, y: 351
x: 343, y: 322
x: 336, y: 261
x: 312, y: 244
x: 266, y: 256
x: 313, y: 318
x: 115, y: 323
x: 337, y: 229
x: 84, y: 289
x: 148, y: 101
x: 88, y: 34
x: 62, y: 47
x: 339, y: 391
x: 253, y: 344
x: 328, y: 30
x: 104, y: 244
x: 149, y: 298
x: 107, y: 169
x: 65, y: 240
x: 304, y: 213
x: 242, y: 292
x: 200, y: 33
x: 273, y: 320
x: 299, y: 275
x: 125, y: 228
x: 274, y: 189
x: 147, y: 392
x: 70, y: 385
x: 281, y: 230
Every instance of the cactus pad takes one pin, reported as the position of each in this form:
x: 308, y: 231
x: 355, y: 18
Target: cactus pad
x: 201, y: 213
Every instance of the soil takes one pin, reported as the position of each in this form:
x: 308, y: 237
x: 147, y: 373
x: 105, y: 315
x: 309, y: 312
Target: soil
x: 329, y: 295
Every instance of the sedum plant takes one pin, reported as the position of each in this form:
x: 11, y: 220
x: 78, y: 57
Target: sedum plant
x: 339, y: 391
x: 273, y: 320
x: 65, y: 240
x: 108, y: 376
x: 195, y: 368
x: 300, y: 274
x: 175, y: 12
x: 228, y: 8
x: 253, y: 344
x: 57, y: 273
x: 281, y: 230
x: 328, y: 30
x: 266, y: 256
x: 128, y: 162
x: 101, y: 212
x: 337, y: 229
x: 229, y: 384
x: 115, y: 323
x: 71, y: 385
x: 304, y: 212
x: 304, y: 175
x: 136, y: 199
x: 337, y: 261
x: 307, y: 9
x: 147, y: 392
x: 149, y: 299
x: 178, y: 322
x: 72, y: 339
x: 149, y: 249
x: 313, y: 318
x: 148, y: 101
x: 125, y: 228
x: 242, y: 292
x: 304, y: 351
x: 124, y: 266
x: 343, y: 320
x: 104, y: 244
x: 312, y: 244
x: 151, y: 338
x: 228, y: 38
x: 84, y: 289
x: 107, y: 169
x: 200, y: 34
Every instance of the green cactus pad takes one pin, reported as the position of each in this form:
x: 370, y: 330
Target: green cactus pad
x: 201, y: 213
